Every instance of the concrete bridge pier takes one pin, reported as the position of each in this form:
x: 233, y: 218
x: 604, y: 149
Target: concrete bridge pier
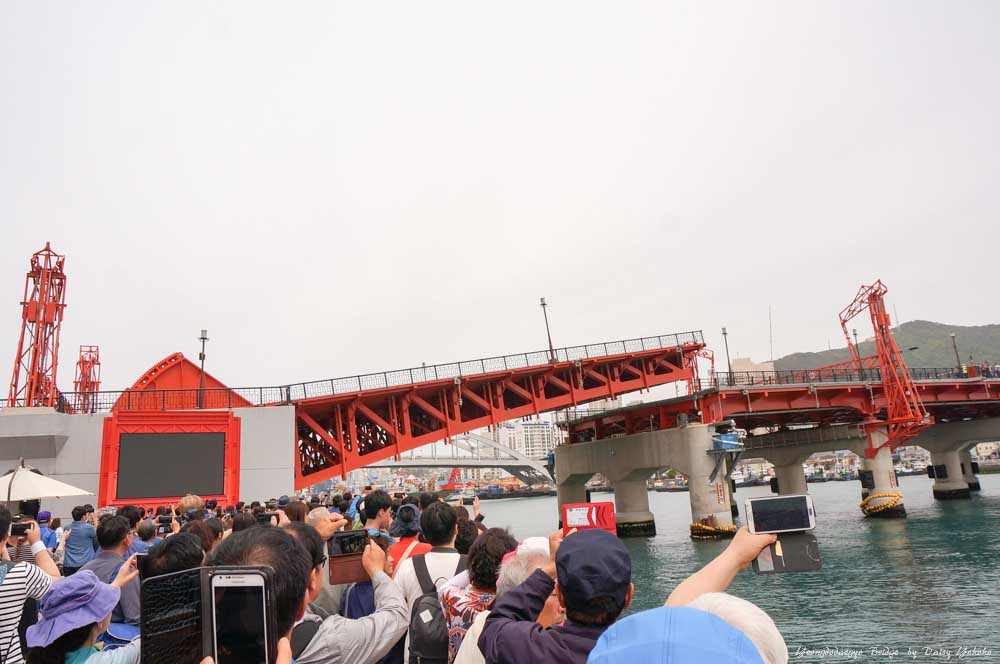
x: 949, y: 444
x: 629, y: 460
x: 965, y: 456
x: 884, y: 477
x: 791, y: 479
x: 788, y: 471
x: 570, y: 492
x: 953, y: 485
x: 632, y: 505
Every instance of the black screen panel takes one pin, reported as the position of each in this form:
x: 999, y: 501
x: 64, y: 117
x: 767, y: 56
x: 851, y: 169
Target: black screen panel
x: 160, y: 465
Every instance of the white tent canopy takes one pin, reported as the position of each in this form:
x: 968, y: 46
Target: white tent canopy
x: 26, y: 483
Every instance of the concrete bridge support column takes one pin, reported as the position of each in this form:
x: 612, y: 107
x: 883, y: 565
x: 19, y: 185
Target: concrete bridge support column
x: 569, y: 493
x: 965, y: 456
x: 630, y: 460
x: 710, y: 502
x: 949, y: 444
x: 791, y: 478
x: 632, y: 509
x: 954, y: 485
x: 884, y: 476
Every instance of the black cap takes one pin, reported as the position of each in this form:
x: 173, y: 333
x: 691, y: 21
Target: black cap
x: 592, y: 563
x: 211, y: 503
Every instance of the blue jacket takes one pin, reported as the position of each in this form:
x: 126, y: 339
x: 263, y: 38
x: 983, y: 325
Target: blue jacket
x: 81, y: 545
x: 352, y: 511
x: 511, y: 635
x: 358, y: 601
x: 48, y: 537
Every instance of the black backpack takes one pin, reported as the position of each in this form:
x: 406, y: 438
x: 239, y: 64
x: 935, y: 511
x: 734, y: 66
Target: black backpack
x: 428, y: 628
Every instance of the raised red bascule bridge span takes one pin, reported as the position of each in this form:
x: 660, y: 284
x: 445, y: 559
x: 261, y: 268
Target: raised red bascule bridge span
x: 342, y: 424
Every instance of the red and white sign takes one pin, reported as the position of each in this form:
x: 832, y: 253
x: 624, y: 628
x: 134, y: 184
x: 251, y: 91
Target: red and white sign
x: 585, y: 516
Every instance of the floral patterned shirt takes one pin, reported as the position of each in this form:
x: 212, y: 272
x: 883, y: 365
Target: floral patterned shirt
x: 460, y: 606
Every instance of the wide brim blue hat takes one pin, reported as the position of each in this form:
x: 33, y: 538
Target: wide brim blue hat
x: 71, y: 603
x: 674, y: 635
x: 400, y: 528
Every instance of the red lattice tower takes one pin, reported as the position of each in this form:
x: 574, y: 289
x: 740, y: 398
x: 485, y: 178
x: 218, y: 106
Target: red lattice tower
x: 88, y: 378
x: 34, y: 379
x: 905, y: 412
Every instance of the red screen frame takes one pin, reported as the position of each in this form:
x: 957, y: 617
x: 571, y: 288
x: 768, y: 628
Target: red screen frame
x: 202, y: 421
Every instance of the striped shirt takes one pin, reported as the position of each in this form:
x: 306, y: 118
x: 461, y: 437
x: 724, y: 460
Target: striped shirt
x: 24, y: 580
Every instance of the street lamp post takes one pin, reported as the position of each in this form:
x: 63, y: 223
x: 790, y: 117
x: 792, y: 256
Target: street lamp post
x: 201, y: 356
x: 958, y: 360
x: 725, y: 338
x: 857, y: 351
x: 552, y: 352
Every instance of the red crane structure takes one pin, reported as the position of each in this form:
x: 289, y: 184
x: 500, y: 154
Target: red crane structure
x: 37, y: 359
x: 905, y: 415
x: 88, y: 378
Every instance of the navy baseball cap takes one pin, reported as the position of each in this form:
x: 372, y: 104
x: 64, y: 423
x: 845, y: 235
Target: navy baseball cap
x: 283, y: 502
x: 592, y: 563
x: 678, y: 635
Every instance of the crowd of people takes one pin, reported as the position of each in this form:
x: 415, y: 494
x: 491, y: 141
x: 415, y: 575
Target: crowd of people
x: 442, y: 586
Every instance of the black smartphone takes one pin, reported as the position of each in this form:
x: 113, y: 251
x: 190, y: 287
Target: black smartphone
x: 239, y: 608
x: 164, y: 519
x: 140, y: 565
x: 793, y: 552
x: 265, y: 517
x: 19, y: 529
x: 162, y: 530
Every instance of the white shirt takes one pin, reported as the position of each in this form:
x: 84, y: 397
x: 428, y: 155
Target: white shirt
x: 441, y: 565
x: 470, y: 653
x: 24, y: 580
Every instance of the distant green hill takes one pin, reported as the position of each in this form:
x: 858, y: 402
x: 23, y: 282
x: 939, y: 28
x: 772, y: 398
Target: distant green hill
x: 933, y: 342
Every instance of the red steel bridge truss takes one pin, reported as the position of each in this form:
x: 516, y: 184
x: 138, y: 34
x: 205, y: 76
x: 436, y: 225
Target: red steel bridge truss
x: 338, y: 433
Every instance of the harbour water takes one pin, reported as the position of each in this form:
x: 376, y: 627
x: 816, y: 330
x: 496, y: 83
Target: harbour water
x: 924, y: 587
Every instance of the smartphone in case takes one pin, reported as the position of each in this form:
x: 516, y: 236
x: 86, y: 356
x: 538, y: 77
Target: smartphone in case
x: 19, y: 529
x: 793, y: 552
x: 780, y: 514
x: 344, y: 551
x: 239, y: 610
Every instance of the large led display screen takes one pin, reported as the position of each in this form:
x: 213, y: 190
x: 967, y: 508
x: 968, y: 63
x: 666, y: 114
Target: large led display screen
x: 161, y: 465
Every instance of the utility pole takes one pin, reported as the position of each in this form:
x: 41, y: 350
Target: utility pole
x: 958, y: 360
x: 201, y: 356
x: 552, y: 352
x: 770, y: 329
x: 725, y: 338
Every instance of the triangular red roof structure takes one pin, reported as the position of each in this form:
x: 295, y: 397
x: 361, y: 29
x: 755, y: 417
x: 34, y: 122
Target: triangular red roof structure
x: 176, y: 381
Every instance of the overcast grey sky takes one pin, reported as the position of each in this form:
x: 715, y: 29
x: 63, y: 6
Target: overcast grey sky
x: 333, y: 188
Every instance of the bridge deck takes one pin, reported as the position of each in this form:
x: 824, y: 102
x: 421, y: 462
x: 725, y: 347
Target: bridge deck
x: 764, y: 399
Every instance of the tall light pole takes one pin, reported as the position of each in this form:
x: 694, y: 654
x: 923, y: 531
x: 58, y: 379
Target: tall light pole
x: 552, y: 352
x: 201, y: 356
x: 958, y: 360
x: 725, y: 338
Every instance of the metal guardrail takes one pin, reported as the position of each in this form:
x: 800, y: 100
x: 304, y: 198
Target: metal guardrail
x: 724, y: 379
x: 189, y: 399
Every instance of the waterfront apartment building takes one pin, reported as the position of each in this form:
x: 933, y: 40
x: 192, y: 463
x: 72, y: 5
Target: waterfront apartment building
x: 533, y: 439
